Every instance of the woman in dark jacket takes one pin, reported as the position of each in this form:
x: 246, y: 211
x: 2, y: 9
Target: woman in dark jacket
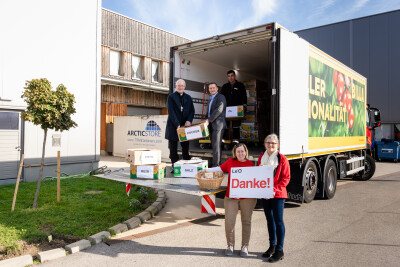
x: 273, y: 207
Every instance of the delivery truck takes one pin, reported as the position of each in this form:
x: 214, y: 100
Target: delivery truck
x: 316, y: 104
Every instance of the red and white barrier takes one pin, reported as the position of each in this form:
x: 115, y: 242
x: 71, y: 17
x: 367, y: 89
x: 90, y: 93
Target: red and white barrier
x: 208, y: 204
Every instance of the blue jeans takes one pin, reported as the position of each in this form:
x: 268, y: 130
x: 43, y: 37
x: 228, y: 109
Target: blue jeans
x: 273, y: 209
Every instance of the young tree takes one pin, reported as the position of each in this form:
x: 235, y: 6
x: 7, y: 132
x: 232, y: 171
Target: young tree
x: 48, y: 108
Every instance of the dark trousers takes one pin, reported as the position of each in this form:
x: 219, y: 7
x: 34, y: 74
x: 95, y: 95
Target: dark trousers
x: 236, y: 133
x: 173, y: 150
x: 235, y: 127
x: 216, y: 141
x: 273, y: 209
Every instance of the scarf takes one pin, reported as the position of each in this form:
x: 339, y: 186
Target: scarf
x: 270, y: 160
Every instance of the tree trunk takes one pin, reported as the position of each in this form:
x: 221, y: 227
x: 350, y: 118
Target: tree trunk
x: 41, y: 170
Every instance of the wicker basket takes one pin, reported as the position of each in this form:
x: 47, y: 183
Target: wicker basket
x: 210, y: 183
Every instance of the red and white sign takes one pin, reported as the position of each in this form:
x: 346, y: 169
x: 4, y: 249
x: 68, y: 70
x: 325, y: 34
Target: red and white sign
x: 208, y: 204
x: 252, y: 182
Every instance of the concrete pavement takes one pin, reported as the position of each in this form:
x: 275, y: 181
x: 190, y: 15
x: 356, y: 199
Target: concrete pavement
x: 358, y: 227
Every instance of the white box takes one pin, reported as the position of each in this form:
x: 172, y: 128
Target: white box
x: 189, y: 168
x: 143, y: 156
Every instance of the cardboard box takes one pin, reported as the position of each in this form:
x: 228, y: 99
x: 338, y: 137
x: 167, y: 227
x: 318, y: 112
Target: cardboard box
x: 251, y: 92
x: 156, y: 171
x: 248, y: 131
x: 250, y: 118
x: 195, y: 131
x: 189, y: 168
x: 251, y: 100
x: 250, y: 84
x: 139, y: 132
x: 251, y: 108
x: 143, y: 156
x: 234, y: 112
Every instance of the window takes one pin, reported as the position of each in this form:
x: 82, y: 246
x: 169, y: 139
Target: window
x: 156, y: 72
x: 116, y: 63
x: 9, y: 121
x: 137, y: 67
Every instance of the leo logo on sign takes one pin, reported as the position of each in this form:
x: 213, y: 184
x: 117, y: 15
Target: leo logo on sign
x: 152, y: 130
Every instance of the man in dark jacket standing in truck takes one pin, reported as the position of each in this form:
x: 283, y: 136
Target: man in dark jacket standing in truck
x: 180, y: 113
x: 216, y: 118
x: 235, y: 94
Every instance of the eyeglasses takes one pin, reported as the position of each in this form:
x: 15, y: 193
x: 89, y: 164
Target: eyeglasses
x: 271, y: 143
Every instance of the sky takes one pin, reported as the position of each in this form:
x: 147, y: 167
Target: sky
x: 197, y: 19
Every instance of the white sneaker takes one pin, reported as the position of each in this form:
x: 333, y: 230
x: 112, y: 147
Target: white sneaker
x: 229, y: 251
x: 244, y: 252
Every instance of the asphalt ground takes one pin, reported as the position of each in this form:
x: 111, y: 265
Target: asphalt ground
x: 358, y: 227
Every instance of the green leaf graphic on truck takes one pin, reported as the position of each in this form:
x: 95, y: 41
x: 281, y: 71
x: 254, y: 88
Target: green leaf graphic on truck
x: 336, y: 102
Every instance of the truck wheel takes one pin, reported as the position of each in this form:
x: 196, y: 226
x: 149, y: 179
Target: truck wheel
x: 330, y: 179
x: 369, y: 168
x: 310, y: 177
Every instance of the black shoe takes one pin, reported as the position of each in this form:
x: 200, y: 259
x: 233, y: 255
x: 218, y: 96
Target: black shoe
x: 278, y: 256
x: 172, y: 171
x: 269, y: 252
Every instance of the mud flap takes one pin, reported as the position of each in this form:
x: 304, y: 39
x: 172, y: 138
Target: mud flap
x: 295, y: 188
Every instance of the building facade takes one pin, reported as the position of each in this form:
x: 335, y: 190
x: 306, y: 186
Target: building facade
x: 41, y: 40
x: 134, y: 70
x: 370, y: 46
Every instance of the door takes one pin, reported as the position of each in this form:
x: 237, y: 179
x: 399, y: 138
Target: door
x: 10, y: 136
x: 293, y: 93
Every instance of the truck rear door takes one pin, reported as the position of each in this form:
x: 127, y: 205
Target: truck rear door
x: 292, y: 92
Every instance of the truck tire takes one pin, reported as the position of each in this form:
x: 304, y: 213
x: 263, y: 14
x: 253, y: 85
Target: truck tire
x: 310, y: 177
x: 330, y: 179
x: 369, y: 168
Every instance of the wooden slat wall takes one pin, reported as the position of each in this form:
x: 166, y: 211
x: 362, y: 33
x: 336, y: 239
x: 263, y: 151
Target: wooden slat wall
x: 105, y: 61
x: 108, y: 112
x: 118, y: 94
x: 126, y: 34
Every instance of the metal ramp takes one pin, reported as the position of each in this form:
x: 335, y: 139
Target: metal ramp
x: 182, y: 185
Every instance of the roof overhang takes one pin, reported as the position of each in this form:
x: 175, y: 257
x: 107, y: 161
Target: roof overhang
x: 135, y: 85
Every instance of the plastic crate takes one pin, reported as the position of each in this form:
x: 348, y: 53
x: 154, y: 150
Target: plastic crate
x: 388, y: 149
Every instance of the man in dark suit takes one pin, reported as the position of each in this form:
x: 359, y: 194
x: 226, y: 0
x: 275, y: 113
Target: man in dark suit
x: 216, y: 119
x: 235, y: 94
x: 180, y: 113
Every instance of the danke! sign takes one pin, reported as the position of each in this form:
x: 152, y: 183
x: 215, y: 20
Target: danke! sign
x: 252, y: 182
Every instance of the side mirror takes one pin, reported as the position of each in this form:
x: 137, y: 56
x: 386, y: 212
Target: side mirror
x: 377, y: 117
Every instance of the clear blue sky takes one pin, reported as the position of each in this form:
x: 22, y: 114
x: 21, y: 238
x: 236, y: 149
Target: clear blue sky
x: 195, y: 19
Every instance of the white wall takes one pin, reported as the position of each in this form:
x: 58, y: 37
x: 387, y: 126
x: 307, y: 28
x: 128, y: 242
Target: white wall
x: 58, y: 40
x: 203, y: 71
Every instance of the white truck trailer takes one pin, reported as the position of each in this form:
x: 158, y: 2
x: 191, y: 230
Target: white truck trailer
x: 316, y: 104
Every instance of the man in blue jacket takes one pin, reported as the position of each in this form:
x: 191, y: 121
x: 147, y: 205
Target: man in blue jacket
x: 216, y: 118
x: 180, y: 113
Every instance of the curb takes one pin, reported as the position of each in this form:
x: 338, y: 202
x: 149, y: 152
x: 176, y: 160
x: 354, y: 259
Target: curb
x: 95, y: 239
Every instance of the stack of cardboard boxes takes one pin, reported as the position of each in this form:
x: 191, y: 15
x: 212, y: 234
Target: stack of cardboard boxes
x: 253, y: 127
x: 145, y: 163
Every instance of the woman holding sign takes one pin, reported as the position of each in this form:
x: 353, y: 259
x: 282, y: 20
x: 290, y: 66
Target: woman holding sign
x: 231, y: 205
x: 273, y: 207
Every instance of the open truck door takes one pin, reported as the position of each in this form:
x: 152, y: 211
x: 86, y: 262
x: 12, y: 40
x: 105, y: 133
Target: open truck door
x: 292, y: 94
